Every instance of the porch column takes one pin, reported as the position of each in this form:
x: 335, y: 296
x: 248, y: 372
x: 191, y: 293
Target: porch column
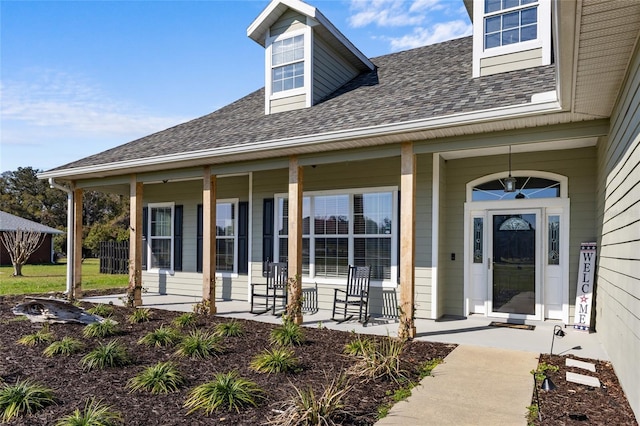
x: 209, y: 239
x: 407, y: 327
x: 136, y: 197
x: 294, y: 307
x: 77, y: 243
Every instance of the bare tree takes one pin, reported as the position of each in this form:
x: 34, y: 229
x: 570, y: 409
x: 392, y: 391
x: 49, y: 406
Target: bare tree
x: 21, y: 244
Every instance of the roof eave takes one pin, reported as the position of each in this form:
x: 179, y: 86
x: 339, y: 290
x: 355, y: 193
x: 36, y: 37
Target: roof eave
x: 546, y: 103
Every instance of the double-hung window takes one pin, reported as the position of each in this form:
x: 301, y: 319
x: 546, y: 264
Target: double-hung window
x: 161, y: 236
x: 509, y: 21
x: 287, y: 64
x: 343, y: 228
x: 226, y: 225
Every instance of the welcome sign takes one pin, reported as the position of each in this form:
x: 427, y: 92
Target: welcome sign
x: 584, y: 289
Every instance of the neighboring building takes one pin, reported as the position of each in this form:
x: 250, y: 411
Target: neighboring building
x: 44, y: 254
x: 401, y: 162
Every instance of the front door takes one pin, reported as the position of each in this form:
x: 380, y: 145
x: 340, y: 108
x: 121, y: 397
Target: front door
x: 514, y: 265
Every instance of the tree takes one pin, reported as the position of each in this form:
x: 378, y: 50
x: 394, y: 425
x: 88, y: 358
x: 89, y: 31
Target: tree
x: 24, y: 195
x: 21, y: 244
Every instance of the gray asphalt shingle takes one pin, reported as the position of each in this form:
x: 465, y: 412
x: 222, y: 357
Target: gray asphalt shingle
x: 426, y: 82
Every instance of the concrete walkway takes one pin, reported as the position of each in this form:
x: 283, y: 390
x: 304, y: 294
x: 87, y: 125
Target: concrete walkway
x: 474, y: 386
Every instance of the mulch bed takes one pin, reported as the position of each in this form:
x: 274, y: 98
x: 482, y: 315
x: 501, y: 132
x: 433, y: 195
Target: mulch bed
x: 576, y: 404
x: 321, y: 358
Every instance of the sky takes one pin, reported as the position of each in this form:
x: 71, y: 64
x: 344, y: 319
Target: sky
x: 80, y: 77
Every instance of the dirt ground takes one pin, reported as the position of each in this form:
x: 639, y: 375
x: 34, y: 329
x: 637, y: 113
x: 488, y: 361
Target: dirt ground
x: 321, y: 358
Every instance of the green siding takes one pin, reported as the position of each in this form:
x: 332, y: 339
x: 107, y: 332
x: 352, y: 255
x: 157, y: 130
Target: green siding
x: 617, y: 306
x: 577, y: 164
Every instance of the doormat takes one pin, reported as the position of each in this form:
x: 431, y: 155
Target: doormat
x: 512, y: 325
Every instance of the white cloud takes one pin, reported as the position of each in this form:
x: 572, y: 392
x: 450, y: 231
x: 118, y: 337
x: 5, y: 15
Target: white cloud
x: 66, y: 104
x: 51, y: 118
x: 390, y: 13
x: 424, y: 36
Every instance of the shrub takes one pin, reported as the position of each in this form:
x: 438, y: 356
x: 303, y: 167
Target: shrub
x: 359, y: 346
x: 40, y: 336
x: 94, y: 414
x: 231, y: 328
x: 105, y: 328
x: 227, y: 390
x: 140, y: 315
x: 382, y: 360
x: 305, y: 408
x: 112, y: 354
x: 199, y: 344
x: 101, y: 310
x: 162, y: 336
x: 185, y: 320
x: 67, y: 346
x: 163, y: 377
x: 278, y: 360
x: 287, y: 334
x: 24, y: 397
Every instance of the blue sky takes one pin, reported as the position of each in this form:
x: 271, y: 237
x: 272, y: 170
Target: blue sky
x: 79, y: 77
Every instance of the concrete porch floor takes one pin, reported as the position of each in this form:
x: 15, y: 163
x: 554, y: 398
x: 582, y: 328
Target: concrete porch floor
x: 474, y: 330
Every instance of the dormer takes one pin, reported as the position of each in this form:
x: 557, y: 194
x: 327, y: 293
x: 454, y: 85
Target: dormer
x: 509, y: 35
x: 306, y: 57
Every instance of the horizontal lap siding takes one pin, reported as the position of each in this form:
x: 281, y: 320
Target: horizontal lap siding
x: 349, y: 175
x: 423, y: 265
x: 288, y: 22
x: 511, y: 62
x: 330, y: 71
x: 189, y: 195
x: 577, y: 164
x: 618, y: 275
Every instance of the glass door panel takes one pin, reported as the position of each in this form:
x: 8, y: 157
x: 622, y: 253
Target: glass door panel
x: 514, y: 263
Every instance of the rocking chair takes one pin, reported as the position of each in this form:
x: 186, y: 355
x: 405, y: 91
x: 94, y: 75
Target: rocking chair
x: 264, y: 295
x: 355, y: 299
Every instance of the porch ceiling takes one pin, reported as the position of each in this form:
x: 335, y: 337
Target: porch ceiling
x: 607, y: 34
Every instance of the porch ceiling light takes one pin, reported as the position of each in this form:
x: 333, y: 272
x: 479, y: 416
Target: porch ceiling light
x: 509, y: 182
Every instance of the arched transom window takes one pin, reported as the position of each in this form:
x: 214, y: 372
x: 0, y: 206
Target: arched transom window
x: 526, y: 187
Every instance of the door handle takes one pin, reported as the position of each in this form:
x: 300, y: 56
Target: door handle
x: 489, y: 263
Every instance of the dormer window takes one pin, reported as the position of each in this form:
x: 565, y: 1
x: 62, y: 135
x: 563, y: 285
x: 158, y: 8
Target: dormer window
x: 510, y: 21
x: 287, y: 62
x: 509, y: 35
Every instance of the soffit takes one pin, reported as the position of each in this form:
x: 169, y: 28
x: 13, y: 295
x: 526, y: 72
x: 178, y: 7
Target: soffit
x: 608, y: 32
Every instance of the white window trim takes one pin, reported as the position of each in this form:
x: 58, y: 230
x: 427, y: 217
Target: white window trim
x: 234, y: 273
x: 392, y: 282
x: 308, y: 52
x: 543, y: 39
x: 152, y: 206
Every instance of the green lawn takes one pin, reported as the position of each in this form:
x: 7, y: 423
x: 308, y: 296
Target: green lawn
x: 47, y: 278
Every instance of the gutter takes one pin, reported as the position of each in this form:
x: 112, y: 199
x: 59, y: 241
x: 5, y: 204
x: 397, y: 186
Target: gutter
x: 542, y: 103
x: 70, y: 234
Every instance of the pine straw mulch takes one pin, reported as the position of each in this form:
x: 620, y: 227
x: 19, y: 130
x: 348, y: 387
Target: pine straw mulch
x: 321, y: 357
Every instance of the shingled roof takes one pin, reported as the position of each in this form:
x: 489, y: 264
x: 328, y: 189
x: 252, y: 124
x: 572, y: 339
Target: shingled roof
x: 9, y: 222
x: 426, y: 82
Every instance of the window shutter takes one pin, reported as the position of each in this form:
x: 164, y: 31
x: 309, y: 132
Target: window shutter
x: 267, y: 231
x: 243, y: 237
x: 199, y: 239
x: 145, y: 231
x: 177, y: 238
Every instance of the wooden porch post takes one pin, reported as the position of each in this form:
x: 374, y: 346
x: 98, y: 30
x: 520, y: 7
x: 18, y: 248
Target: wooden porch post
x: 294, y: 308
x: 407, y: 327
x: 77, y: 243
x: 136, y: 197
x: 209, y: 239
